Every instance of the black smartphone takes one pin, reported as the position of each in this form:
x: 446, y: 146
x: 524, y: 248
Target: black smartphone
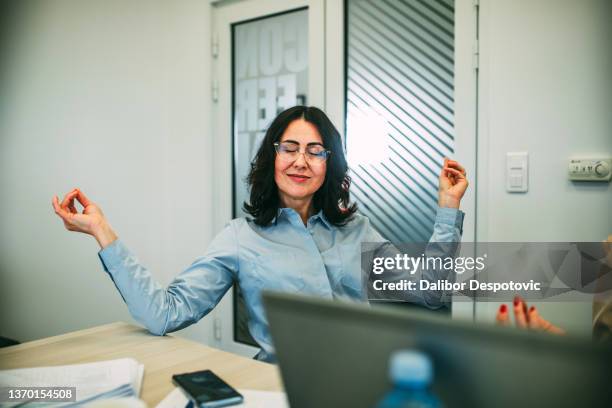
x: 206, y: 390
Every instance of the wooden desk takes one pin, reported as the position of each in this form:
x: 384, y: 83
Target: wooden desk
x: 162, y: 357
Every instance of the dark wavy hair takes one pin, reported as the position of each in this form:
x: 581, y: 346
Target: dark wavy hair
x: 333, y: 195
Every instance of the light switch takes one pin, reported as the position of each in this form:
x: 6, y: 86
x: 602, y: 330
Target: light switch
x: 517, y: 172
x: 516, y: 181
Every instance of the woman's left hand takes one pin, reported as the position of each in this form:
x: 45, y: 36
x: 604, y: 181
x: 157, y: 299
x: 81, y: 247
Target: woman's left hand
x: 525, y: 318
x: 452, y: 184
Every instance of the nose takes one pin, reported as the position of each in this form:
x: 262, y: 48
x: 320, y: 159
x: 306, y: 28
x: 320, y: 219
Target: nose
x: 300, y: 161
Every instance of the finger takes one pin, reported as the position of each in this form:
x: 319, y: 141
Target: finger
x: 67, y: 198
x: 69, y: 194
x: 82, y: 198
x: 456, y: 165
x: 520, y: 317
x: 455, y: 172
x: 552, y: 328
x: 54, y: 203
x: 539, y: 323
x: 70, y: 206
x: 502, y: 318
x: 444, y: 165
x: 65, y: 215
x: 535, y: 322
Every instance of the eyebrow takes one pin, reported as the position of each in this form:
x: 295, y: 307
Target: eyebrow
x: 298, y: 143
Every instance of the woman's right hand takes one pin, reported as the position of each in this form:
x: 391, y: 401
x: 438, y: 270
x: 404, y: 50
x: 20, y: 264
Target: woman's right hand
x: 91, y: 221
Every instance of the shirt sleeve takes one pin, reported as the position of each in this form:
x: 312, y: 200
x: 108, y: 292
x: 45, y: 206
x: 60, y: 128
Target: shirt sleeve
x: 444, y: 242
x: 190, y: 296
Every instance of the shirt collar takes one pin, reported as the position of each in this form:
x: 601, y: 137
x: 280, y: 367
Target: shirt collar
x: 323, y: 219
x: 280, y: 213
x: 318, y: 215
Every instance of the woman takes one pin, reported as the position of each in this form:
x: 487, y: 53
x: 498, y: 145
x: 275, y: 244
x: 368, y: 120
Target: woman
x: 304, y: 234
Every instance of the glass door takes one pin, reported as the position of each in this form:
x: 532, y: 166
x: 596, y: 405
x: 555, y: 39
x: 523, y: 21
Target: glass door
x: 268, y: 56
x: 269, y: 75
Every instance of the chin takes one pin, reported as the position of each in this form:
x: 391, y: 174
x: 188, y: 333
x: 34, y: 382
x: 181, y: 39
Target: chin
x: 298, y: 193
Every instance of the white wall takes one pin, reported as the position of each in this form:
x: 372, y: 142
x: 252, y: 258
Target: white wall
x: 546, y: 88
x: 112, y: 97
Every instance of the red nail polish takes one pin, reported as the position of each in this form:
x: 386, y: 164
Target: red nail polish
x: 503, y: 309
x: 516, y: 300
x: 532, y: 309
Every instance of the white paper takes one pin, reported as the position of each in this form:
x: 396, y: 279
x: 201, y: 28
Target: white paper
x: 175, y: 399
x: 131, y: 402
x: 252, y: 399
x: 263, y: 399
x: 89, y: 379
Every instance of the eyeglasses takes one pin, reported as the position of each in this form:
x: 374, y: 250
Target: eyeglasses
x: 289, y: 151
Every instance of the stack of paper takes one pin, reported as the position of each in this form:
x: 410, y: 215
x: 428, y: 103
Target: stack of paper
x: 93, y: 381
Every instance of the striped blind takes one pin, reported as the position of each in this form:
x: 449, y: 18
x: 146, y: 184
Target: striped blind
x: 399, y: 110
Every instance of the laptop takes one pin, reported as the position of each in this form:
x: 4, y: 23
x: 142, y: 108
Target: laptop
x: 335, y: 354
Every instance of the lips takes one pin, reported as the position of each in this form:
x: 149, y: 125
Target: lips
x: 298, y: 178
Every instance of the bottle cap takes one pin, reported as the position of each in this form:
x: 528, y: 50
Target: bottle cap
x: 410, y: 368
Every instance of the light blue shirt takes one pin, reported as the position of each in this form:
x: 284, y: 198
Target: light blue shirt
x: 318, y: 259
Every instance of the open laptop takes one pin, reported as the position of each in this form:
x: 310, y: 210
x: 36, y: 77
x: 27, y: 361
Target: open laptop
x: 335, y: 354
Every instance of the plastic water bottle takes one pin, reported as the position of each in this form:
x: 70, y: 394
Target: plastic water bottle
x: 411, y: 373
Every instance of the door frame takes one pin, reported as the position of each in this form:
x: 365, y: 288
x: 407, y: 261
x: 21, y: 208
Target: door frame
x: 466, y: 130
